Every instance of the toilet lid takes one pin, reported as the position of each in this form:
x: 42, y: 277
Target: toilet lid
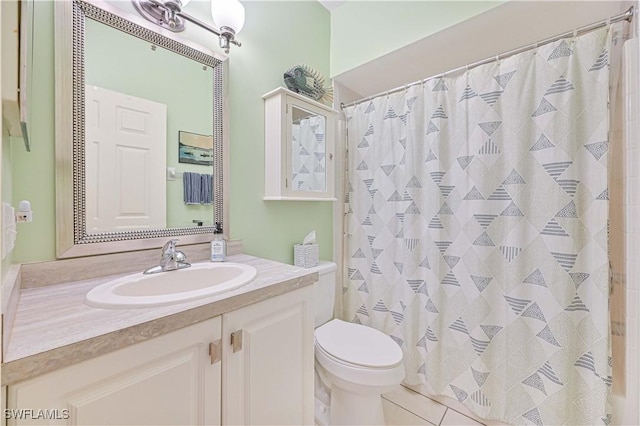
x: 358, y: 344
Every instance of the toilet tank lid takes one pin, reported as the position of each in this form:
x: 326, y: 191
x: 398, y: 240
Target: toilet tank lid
x: 324, y: 267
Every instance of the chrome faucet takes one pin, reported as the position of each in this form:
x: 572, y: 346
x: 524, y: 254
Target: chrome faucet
x: 170, y: 260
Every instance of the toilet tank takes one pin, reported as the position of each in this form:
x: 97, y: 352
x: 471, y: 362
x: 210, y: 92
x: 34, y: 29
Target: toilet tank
x: 324, y: 292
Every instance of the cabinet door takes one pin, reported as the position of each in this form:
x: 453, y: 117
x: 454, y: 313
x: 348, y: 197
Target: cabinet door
x: 269, y: 377
x: 168, y: 380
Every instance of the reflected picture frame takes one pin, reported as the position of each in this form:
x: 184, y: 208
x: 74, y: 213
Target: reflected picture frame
x: 194, y: 148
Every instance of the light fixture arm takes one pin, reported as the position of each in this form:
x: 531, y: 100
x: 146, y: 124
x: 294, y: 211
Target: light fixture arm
x: 226, y: 34
x: 168, y: 14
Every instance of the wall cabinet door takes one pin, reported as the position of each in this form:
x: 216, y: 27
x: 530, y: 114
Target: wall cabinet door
x: 268, y: 362
x: 168, y: 380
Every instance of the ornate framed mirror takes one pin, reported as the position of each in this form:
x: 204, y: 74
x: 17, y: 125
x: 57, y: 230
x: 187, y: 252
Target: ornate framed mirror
x: 140, y: 140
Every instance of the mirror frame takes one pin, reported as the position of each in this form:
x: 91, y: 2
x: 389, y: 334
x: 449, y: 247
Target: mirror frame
x: 72, y: 239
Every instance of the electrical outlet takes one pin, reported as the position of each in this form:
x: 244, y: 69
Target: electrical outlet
x: 24, y: 212
x: 24, y: 217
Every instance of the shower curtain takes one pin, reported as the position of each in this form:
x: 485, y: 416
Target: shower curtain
x: 477, y: 210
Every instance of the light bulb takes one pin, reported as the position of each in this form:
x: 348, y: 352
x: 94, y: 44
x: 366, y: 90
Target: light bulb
x: 228, y: 13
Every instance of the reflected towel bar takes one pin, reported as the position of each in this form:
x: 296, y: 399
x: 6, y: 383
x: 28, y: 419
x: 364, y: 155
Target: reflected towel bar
x: 172, y: 174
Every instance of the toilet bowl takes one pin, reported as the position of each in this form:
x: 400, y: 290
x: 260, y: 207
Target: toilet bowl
x: 357, y: 363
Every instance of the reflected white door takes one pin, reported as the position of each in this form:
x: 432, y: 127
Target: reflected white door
x: 125, y: 157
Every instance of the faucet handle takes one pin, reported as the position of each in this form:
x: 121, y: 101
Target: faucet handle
x: 172, y: 259
x: 180, y: 256
x: 170, y: 246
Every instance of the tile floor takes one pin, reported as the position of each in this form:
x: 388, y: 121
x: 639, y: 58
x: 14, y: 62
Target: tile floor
x: 406, y: 406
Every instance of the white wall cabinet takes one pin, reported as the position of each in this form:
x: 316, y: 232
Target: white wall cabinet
x: 299, y: 147
x: 174, y: 379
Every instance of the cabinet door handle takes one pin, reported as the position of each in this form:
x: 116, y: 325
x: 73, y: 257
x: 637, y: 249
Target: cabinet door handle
x: 236, y: 341
x: 214, y: 351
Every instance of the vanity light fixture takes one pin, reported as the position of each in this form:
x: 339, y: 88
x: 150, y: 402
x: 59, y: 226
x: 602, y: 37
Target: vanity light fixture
x: 228, y: 15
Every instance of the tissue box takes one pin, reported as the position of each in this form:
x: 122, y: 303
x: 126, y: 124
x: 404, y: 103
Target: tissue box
x: 306, y: 255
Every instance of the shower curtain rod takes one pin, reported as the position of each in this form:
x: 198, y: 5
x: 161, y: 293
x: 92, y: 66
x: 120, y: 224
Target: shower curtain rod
x: 626, y: 16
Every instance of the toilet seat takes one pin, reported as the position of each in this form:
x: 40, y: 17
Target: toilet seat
x: 349, y: 366
x: 357, y: 345
x: 330, y: 358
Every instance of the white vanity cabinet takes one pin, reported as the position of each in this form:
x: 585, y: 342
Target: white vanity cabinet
x: 268, y: 370
x: 167, y: 380
x: 299, y: 147
x: 175, y: 379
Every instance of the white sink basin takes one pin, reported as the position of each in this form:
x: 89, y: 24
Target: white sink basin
x: 167, y: 288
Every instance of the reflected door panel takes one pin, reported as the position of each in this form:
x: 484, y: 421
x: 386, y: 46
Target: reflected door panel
x: 125, y: 158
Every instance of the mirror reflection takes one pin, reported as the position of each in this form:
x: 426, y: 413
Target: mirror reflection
x: 148, y: 135
x: 309, y: 150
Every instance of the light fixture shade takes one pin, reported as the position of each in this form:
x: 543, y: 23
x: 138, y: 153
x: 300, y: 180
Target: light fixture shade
x: 228, y: 13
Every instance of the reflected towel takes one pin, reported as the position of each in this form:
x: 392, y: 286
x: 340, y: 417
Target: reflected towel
x: 191, y: 188
x: 206, y: 189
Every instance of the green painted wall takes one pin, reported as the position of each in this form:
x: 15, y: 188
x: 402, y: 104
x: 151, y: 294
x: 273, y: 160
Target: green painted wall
x: 34, y: 172
x: 362, y: 31
x: 277, y: 35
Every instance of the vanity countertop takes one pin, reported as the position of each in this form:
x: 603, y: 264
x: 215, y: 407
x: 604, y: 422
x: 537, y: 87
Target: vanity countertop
x: 53, y: 328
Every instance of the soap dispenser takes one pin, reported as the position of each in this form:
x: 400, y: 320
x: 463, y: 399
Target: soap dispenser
x: 218, y: 245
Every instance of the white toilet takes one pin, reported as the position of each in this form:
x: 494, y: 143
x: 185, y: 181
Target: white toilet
x: 358, y: 363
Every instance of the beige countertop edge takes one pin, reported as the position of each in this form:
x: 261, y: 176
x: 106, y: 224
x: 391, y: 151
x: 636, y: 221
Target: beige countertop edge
x: 44, y: 362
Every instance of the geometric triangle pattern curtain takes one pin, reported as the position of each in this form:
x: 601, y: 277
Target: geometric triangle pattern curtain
x: 477, y: 213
